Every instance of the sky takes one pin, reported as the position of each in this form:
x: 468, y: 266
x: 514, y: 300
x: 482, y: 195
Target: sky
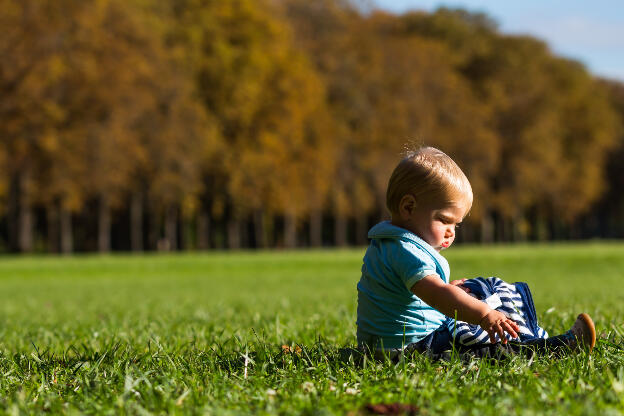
x: 590, y: 31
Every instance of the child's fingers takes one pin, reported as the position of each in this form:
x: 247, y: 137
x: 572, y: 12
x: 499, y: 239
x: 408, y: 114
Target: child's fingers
x: 497, y: 329
x: 514, y: 328
x: 514, y: 325
x: 503, y: 327
x: 499, y: 324
x: 510, y: 329
x: 501, y: 333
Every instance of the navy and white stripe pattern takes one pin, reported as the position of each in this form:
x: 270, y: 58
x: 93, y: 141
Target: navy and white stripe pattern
x: 514, y: 300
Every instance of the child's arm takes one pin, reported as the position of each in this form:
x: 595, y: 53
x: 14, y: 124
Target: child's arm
x: 450, y: 299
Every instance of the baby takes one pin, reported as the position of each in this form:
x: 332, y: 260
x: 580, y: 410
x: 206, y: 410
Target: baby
x: 405, y: 295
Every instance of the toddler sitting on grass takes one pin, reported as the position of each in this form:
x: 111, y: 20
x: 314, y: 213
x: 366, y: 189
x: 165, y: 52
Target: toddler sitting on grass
x: 406, y: 300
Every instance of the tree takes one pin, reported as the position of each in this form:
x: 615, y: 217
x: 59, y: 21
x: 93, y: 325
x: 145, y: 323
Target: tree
x: 388, y: 86
x: 263, y: 94
x: 537, y: 105
x: 29, y: 69
x: 94, y: 93
x: 606, y: 218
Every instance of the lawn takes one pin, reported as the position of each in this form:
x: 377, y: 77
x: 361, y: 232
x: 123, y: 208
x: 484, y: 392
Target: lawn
x: 262, y: 332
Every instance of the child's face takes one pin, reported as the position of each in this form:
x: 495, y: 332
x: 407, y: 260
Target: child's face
x: 436, y: 226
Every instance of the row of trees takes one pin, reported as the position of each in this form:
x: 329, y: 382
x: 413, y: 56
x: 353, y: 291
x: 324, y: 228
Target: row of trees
x: 239, y: 123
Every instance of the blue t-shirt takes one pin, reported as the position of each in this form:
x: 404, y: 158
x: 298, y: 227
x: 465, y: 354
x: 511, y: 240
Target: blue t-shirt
x: 387, y: 310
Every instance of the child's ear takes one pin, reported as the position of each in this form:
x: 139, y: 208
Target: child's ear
x: 407, y: 205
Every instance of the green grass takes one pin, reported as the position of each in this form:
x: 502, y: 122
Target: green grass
x: 203, y: 334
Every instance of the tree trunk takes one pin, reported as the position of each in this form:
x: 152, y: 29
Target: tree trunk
x: 340, y: 229
x: 104, y: 225
x: 316, y: 228
x: 219, y: 237
x: 153, y: 236
x: 290, y: 230
x: 203, y: 230
x: 361, y: 229
x: 52, y: 219
x: 13, y: 209
x: 171, y: 228
x: 233, y: 233
x: 384, y: 214
x: 67, y: 236
x: 20, y: 214
x: 519, y: 227
x: 246, y: 232
x: 541, y: 225
x: 499, y: 228
x: 487, y: 228
x: 136, y: 222
x: 259, y: 229
x: 13, y: 212
x: 26, y: 228
x: 186, y: 234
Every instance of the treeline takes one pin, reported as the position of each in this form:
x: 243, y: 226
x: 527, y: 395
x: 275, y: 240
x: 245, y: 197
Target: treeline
x: 197, y: 124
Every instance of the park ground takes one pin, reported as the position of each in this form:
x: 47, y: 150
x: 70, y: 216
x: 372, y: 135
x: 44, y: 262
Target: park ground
x: 264, y: 332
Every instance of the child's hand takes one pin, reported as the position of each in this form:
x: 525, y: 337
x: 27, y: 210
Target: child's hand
x: 460, y: 284
x: 497, y: 323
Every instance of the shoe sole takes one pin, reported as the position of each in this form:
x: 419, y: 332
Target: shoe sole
x: 592, y: 329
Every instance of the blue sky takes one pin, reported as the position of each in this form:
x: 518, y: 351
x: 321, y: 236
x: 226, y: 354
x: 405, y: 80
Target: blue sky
x: 591, y: 31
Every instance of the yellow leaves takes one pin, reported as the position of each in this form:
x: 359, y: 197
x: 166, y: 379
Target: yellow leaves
x: 71, y: 199
x: 56, y: 68
x: 221, y: 97
x: 261, y: 93
x: 218, y: 207
x: 89, y: 81
x: 50, y: 142
x: 52, y: 111
x: 189, y: 206
x: 287, y: 349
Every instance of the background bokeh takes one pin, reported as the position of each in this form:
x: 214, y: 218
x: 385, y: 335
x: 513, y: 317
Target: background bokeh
x: 197, y: 124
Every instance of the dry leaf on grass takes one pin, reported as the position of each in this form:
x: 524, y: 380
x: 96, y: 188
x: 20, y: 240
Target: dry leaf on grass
x: 287, y: 350
x: 392, y: 409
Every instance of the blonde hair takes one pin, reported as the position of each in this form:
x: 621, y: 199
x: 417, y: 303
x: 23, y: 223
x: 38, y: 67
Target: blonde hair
x: 431, y: 177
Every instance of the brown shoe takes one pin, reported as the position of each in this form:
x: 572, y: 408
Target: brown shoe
x: 584, y: 332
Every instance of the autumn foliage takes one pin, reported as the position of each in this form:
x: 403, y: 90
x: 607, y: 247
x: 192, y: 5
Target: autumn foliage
x: 195, y: 124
